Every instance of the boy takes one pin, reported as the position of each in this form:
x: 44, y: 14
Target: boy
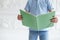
x: 37, y: 7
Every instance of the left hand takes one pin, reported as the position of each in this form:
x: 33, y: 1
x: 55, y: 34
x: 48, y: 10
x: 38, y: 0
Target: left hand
x: 54, y: 20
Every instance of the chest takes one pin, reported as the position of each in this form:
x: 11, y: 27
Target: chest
x: 38, y: 3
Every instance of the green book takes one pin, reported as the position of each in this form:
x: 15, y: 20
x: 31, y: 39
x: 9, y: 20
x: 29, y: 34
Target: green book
x: 37, y: 22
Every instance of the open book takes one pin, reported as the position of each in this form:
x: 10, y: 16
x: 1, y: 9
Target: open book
x: 37, y: 22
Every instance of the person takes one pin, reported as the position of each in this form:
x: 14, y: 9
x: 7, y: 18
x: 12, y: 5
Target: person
x: 37, y: 7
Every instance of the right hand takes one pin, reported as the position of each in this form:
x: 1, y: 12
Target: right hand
x: 19, y: 17
x: 54, y: 20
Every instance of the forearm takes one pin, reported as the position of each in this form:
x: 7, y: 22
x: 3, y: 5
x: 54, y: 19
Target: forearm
x: 50, y: 10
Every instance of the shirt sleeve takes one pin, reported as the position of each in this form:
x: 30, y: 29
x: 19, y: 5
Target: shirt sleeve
x: 27, y: 7
x: 49, y: 5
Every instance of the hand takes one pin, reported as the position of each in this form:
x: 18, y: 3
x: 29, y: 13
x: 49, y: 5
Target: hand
x: 54, y: 20
x: 19, y: 17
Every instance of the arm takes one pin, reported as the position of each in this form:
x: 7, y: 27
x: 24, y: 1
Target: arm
x: 49, y: 8
x: 27, y: 7
x: 54, y: 19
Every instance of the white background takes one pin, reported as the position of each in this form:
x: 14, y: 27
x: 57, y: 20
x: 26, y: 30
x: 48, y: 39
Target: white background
x: 12, y: 29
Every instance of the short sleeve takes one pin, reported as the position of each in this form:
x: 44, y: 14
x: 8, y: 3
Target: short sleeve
x: 49, y: 5
x: 27, y: 7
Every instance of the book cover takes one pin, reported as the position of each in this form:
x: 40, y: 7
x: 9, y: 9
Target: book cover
x: 37, y: 22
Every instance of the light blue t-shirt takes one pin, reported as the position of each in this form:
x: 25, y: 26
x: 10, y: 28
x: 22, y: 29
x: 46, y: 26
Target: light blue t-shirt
x: 37, y: 7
